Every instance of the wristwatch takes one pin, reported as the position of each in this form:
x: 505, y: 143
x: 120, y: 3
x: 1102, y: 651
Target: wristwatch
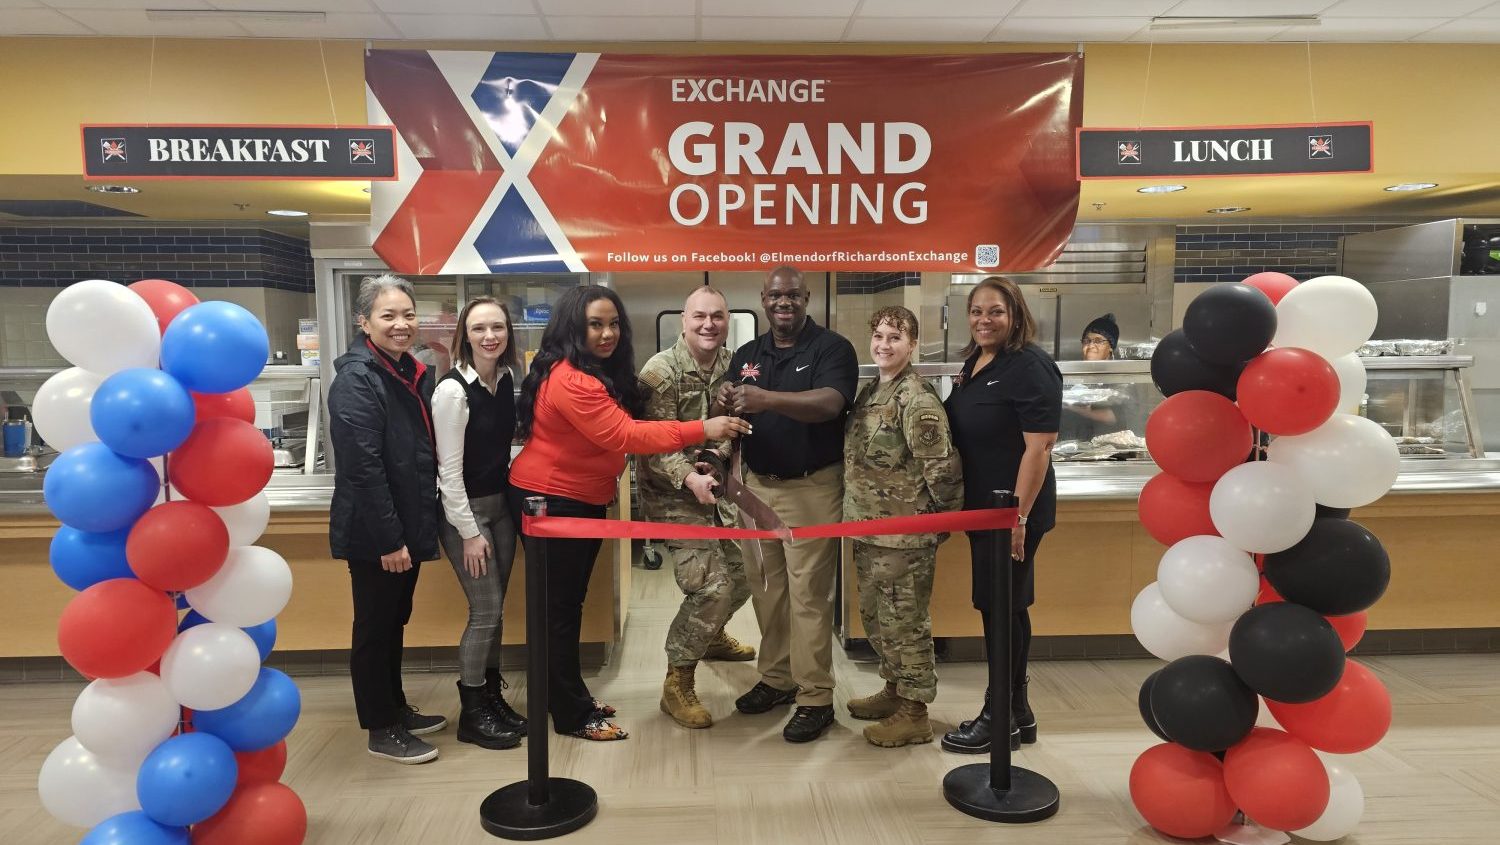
x: 1021, y: 520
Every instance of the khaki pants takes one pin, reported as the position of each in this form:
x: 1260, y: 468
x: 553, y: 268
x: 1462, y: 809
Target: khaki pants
x: 791, y: 585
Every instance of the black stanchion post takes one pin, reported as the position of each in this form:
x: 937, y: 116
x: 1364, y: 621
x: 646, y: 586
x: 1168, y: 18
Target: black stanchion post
x: 997, y: 791
x: 542, y: 806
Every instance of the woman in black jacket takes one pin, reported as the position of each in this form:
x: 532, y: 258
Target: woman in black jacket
x: 384, y: 517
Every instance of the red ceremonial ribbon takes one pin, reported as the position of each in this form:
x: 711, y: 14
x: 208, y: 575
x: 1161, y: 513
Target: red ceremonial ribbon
x: 572, y: 527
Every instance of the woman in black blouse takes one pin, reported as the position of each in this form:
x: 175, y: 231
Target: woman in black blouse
x: 1004, y: 412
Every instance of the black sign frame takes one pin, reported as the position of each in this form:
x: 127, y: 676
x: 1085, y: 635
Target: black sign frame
x: 1150, y: 152
x: 237, y: 151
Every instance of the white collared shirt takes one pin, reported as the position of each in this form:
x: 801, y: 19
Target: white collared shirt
x: 450, y: 419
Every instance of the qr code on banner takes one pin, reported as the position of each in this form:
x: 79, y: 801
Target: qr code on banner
x: 987, y: 255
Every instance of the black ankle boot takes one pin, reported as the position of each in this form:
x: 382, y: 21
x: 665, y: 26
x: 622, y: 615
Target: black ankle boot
x: 1020, y: 709
x: 478, y: 724
x: 493, y: 687
x: 973, y: 735
x: 983, y: 713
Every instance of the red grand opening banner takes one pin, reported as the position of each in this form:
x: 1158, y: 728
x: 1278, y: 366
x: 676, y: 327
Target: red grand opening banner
x: 585, y: 161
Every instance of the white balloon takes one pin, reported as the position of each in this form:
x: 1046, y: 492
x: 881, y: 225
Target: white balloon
x: 1347, y: 462
x: 1207, y: 579
x: 1352, y: 380
x: 1169, y: 636
x: 247, y: 520
x: 210, y: 666
x: 1262, y: 507
x: 252, y: 586
x: 60, y: 410
x: 1331, y: 315
x: 1346, y: 804
x: 122, y: 719
x: 79, y: 789
x: 103, y: 327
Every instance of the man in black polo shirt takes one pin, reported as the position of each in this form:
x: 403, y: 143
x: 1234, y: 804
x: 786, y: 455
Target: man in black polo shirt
x: 794, y: 384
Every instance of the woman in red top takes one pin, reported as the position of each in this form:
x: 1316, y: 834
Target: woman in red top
x: 576, y: 415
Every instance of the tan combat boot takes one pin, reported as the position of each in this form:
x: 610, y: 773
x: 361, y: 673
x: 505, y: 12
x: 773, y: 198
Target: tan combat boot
x: 881, y: 705
x: 725, y: 647
x: 679, y: 698
x: 907, y: 726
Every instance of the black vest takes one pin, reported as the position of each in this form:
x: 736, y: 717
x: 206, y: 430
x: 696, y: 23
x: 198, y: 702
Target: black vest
x: 492, y: 426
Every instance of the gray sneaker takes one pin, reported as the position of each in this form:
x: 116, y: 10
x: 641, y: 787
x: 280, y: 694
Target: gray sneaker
x: 421, y: 724
x: 396, y: 743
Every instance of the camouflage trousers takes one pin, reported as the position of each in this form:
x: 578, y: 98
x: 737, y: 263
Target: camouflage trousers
x: 895, y: 587
x: 711, y: 575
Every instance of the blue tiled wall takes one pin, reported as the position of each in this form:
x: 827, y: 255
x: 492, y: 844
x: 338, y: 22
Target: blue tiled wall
x: 56, y: 256
x: 854, y: 283
x: 1230, y: 253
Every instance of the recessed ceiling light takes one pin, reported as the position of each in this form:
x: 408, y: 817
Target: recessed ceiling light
x: 114, y: 189
x: 286, y: 212
x: 1229, y: 209
x: 1412, y: 186
x: 1161, y: 189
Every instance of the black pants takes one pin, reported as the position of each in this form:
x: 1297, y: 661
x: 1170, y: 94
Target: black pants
x: 570, y: 563
x: 382, y: 607
x: 1020, y: 642
x: 1023, y: 595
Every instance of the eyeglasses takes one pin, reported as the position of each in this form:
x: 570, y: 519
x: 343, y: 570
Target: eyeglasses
x: 1096, y: 341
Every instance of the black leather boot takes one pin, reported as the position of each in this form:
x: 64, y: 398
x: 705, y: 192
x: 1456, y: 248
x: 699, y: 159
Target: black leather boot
x: 1020, y: 710
x: 973, y: 735
x: 478, y: 724
x: 493, y: 688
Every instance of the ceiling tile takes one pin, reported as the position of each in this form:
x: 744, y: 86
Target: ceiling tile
x: 1209, y: 35
x: 773, y: 29
x: 358, y: 6
x: 1248, y: 8
x: 119, y: 5
x: 1490, y: 11
x: 1431, y: 9
x: 779, y: 8
x: 1465, y: 30
x: 608, y: 8
x: 920, y: 29
x: 19, y: 4
x: 948, y: 9
x: 1359, y: 29
x: 456, y: 7
x: 623, y: 29
x: 501, y: 27
x: 1092, y: 8
x: 1068, y: 29
x: 337, y: 25
x: 135, y: 23
x: 38, y: 22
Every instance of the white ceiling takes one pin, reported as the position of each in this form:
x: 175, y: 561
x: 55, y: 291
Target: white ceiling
x: 957, y: 21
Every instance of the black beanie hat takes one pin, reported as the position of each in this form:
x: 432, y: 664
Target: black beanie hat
x: 1106, y: 326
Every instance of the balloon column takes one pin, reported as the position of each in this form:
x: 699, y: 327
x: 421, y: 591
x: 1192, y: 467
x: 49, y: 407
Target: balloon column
x: 1264, y: 584
x: 180, y: 736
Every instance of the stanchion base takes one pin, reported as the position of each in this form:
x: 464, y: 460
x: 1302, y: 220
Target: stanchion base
x: 508, y: 814
x: 1031, y: 797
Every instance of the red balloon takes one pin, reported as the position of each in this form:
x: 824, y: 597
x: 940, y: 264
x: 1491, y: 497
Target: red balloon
x: 1276, y: 779
x: 263, y: 766
x: 1260, y: 564
x: 223, y: 462
x: 167, y: 299
x: 1181, y: 792
x: 256, y: 814
x: 176, y: 546
x: 1350, y: 628
x: 236, y: 404
x: 1288, y: 391
x: 116, y: 628
x: 1267, y: 593
x: 1197, y: 436
x: 1172, y: 509
x: 1353, y: 717
x: 1274, y: 285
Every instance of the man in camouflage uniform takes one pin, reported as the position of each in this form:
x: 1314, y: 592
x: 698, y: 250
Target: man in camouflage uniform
x: 899, y: 460
x: 679, y: 383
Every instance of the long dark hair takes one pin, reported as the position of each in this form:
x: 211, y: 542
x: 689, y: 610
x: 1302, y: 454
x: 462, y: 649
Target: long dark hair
x: 566, y: 338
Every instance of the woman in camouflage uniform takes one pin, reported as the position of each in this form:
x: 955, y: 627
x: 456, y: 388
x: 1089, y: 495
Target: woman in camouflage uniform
x: 899, y: 460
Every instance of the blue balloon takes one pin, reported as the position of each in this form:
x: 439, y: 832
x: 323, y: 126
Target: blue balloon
x: 214, y: 347
x: 142, y: 413
x: 186, y: 779
x: 259, y: 720
x: 191, y: 620
x: 91, y: 488
x: 264, y: 636
x: 134, y: 828
x: 182, y: 602
x: 82, y: 559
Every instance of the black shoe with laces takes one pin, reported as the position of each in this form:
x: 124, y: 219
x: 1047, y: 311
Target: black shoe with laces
x: 420, y: 724
x: 396, y: 743
x: 493, y: 686
x: 808, y: 723
x: 762, y: 697
x: 478, y: 724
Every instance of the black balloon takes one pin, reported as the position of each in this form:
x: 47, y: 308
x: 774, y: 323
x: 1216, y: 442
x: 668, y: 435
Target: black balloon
x: 1229, y: 324
x: 1285, y: 652
x: 1337, y: 569
x: 1199, y: 702
x: 1175, y: 368
x: 1143, y: 701
x: 1332, y: 513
